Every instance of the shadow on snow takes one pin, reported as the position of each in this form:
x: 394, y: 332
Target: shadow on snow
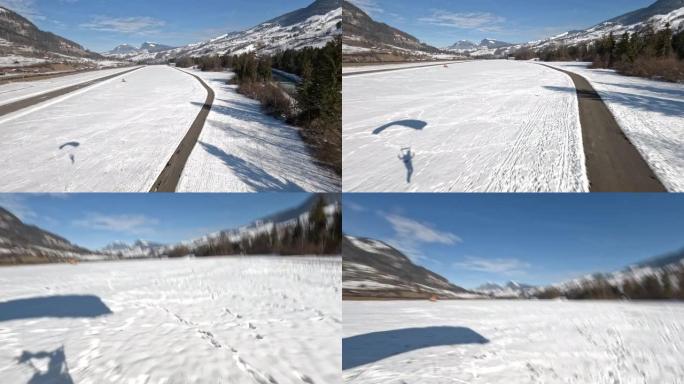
x: 53, y: 306
x: 57, y: 368
x: 371, y: 347
x: 413, y: 124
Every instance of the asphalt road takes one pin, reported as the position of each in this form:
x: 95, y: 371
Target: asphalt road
x: 28, y: 102
x: 170, y: 176
x: 613, y: 163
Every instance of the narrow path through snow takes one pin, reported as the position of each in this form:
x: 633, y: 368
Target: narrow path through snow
x: 170, y: 176
x: 613, y: 163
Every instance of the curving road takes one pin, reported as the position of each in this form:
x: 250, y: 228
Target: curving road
x: 170, y: 176
x: 613, y: 163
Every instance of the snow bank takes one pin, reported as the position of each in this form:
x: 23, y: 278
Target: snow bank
x: 481, y: 342
x: 651, y: 113
x: 229, y: 320
x: 113, y: 136
x: 482, y: 126
x: 243, y: 150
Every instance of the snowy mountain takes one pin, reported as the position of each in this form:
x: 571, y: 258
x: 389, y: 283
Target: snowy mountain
x: 22, y: 243
x: 486, y: 48
x: 657, y: 15
x: 511, y: 289
x: 127, y: 51
x: 374, y: 269
x: 313, y: 26
x: 139, y: 249
x: 366, y: 40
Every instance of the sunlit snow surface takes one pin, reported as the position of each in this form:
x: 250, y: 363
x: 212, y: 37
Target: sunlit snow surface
x: 114, y: 136
x: 494, y: 126
x: 651, y: 113
x: 482, y: 342
x: 225, y: 320
x: 243, y: 150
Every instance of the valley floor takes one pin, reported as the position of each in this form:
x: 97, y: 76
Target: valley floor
x: 243, y: 150
x: 478, y: 126
x: 650, y: 113
x: 513, y: 342
x: 233, y: 320
x: 114, y: 136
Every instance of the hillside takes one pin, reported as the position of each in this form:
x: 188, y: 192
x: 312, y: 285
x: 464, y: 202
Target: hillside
x: 487, y: 48
x: 365, y: 40
x: 146, y: 50
x: 374, y: 269
x: 312, y: 26
x: 661, y: 277
x: 26, y: 244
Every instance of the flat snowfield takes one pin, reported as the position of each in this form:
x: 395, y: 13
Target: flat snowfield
x: 349, y: 69
x: 12, y: 92
x: 518, y: 342
x: 243, y: 150
x: 483, y: 126
x: 226, y: 320
x: 651, y: 114
x: 114, y: 136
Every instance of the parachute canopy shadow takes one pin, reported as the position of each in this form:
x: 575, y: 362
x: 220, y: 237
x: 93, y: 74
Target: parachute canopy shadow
x: 412, y: 124
x: 371, y: 347
x: 69, y: 306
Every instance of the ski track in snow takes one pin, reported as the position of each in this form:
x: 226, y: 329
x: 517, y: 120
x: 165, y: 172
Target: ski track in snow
x: 234, y: 320
x: 243, y: 150
x: 114, y: 136
x: 528, y: 342
x: 651, y: 113
x: 489, y: 126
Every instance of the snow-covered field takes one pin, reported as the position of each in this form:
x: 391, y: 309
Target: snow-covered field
x: 375, y: 67
x: 12, y: 92
x: 243, y: 150
x: 513, y: 342
x: 495, y: 126
x: 225, y: 320
x: 651, y: 113
x: 114, y: 136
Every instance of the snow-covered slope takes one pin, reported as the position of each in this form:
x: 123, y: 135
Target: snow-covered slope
x: 668, y: 267
x: 374, y: 269
x: 367, y: 40
x: 21, y: 243
x: 313, y: 26
x: 657, y: 15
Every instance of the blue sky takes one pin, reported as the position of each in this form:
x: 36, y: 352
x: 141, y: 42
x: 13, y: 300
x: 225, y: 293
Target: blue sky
x: 443, y: 22
x: 537, y: 239
x: 95, y: 220
x: 100, y: 25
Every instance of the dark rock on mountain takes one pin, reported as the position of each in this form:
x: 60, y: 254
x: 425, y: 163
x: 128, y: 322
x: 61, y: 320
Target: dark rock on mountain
x: 660, y: 7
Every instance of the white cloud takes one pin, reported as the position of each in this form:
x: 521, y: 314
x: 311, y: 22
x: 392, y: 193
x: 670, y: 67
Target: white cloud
x: 420, y: 232
x: 128, y: 25
x: 481, y: 21
x: 133, y: 224
x: 500, y: 266
x: 16, y: 204
x: 410, y: 234
x: 369, y: 6
x: 354, y: 207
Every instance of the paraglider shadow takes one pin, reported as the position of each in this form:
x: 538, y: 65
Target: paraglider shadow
x: 413, y: 124
x: 57, y: 368
x: 371, y: 347
x: 72, y: 144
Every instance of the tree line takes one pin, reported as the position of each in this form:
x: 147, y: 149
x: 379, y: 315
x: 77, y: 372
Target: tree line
x: 319, y: 235
x: 317, y: 105
x: 647, y: 53
x: 665, y: 286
